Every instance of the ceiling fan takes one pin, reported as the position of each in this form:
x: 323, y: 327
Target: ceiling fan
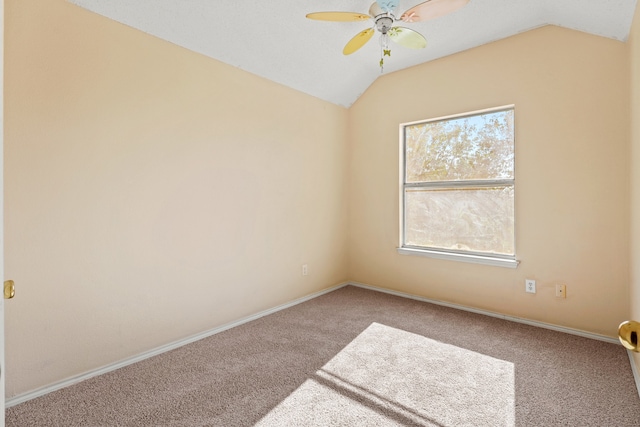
x: 382, y: 13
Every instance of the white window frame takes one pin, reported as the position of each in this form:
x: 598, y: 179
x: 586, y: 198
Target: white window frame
x: 497, y: 260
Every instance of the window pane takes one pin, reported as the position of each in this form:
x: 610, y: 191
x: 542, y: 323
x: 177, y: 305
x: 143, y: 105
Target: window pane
x: 469, y: 148
x: 476, y: 219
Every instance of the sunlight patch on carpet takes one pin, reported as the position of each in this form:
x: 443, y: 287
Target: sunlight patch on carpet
x: 388, y: 376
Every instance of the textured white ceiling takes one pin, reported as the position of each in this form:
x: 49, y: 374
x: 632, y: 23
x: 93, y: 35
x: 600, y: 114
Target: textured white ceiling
x: 273, y: 39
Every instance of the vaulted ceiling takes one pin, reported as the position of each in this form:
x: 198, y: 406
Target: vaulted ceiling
x: 273, y: 39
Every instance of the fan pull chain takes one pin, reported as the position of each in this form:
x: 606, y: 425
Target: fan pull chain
x: 384, y: 50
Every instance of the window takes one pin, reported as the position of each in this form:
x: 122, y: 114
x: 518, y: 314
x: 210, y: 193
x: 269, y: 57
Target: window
x: 458, y: 182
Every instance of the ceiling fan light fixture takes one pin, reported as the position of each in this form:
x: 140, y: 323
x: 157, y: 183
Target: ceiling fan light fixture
x: 384, y: 23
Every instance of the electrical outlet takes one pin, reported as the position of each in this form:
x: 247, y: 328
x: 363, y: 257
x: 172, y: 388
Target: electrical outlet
x: 530, y: 286
x: 561, y: 291
x: 305, y: 270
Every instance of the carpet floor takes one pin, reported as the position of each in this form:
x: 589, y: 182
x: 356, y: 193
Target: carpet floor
x: 359, y: 357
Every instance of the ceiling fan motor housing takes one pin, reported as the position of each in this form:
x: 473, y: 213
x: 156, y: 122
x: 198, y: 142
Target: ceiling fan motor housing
x: 384, y: 22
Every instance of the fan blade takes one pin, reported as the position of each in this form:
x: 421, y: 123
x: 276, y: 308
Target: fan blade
x: 432, y: 9
x: 358, y: 41
x: 375, y: 10
x: 387, y: 5
x: 407, y: 37
x: 338, y: 16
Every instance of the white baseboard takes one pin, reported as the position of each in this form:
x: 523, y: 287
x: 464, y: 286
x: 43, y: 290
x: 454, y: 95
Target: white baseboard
x: 634, y: 369
x: 536, y: 323
x: 15, y: 400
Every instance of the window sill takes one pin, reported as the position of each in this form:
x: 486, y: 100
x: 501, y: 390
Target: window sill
x: 476, y: 259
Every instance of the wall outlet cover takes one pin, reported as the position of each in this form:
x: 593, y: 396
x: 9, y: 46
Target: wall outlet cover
x: 530, y: 286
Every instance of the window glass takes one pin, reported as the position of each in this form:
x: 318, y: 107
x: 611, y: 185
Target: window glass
x: 473, y: 148
x: 459, y: 184
x: 462, y: 219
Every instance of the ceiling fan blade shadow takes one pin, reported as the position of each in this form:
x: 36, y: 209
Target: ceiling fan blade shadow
x: 432, y: 9
x: 338, y: 16
x: 407, y: 38
x: 358, y: 41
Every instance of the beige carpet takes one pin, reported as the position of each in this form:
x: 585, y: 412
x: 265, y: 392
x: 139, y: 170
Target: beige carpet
x: 362, y: 358
x: 387, y: 377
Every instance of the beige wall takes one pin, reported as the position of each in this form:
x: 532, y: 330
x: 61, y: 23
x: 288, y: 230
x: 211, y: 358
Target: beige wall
x: 570, y: 90
x: 152, y: 193
x: 634, y: 47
